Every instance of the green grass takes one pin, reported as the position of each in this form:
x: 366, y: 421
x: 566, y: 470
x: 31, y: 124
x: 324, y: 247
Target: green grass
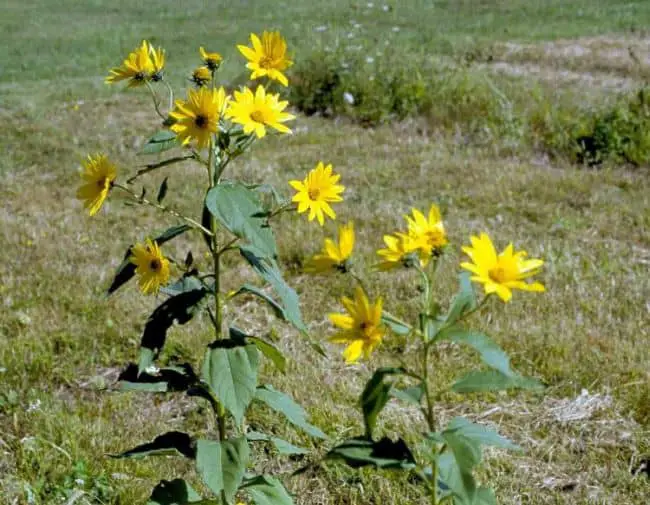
x: 62, y: 343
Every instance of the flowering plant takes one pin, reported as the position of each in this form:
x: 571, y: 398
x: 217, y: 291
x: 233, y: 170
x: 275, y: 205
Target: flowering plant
x: 211, y: 128
x: 446, y: 456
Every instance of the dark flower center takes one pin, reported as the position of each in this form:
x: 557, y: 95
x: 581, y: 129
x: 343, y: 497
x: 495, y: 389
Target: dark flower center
x: 201, y: 121
x: 155, y: 264
x: 314, y: 193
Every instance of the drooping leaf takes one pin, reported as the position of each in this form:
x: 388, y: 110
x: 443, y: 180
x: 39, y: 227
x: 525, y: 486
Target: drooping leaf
x: 240, y: 211
x: 284, y: 404
x: 173, y: 492
x: 493, y: 380
x: 230, y: 370
x: 265, y: 490
x: 126, y: 270
x: 172, y: 442
x: 162, y: 191
x: 375, y: 396
x: 412, y: 394
x: 268, y: 269
x: 396, y: 325
x: 159, y: 142
x: 464, y: 301
x: 222, y: 465
x: 187, y: 282
x: 283, y: 447
x: 266, y: 348
x: 385, y: 453
x: 167, y: 379
x: 491, y: 354
x: 180, y: 309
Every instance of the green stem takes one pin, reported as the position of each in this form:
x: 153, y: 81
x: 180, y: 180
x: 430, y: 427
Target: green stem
x: 216, y: 256
x: 156, y: 102
x: 164, y: 208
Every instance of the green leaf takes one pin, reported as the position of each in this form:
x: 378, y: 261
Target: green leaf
x: 187, y: 282
x: 180, y: 309
x: 464, y: 301
x: 222, y: 465
x: 270, y: 352
x: 162, y: 191
x: 266, y: 348
x: 284, y: 404
x: 268, y: 269
x: 359, y: 452
x: 159, y: 142
x: 172, y: 442
x: 265, y: 490
x: 396, y: 325
x: 461, y: 484
x: 230, y: 370
x: 179, y: 378
x: 126, y: 270
x: 278, y: 310
x: 411, y: 394
x: 463, y: 440
x: 239, y: 210
x: 493, y: 380
x: 491, y: 354
x: 283, y: 447
x: 173, y: 492
x: 375, y: 396
x: 478, y: 433
x: 484, y: 496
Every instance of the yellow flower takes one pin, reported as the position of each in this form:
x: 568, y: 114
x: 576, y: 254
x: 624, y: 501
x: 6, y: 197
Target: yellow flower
x: 361, y: 329
x: 201, y: 76
x: 427, y: 233
x: 151, y: 266
x: 143, y: 64
x: 256, y: 112
x: 400, y: 251
x: 334, y: 256
x: 267, y: 57
x: 157, y: 61
x: 98, y: 175
x: 211, y: 60
x: 317, y: 191
x: 501, y: 273
x: 198, y: 116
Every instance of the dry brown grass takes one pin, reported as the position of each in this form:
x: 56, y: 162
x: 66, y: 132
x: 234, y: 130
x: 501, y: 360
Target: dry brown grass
x: 62, y: 343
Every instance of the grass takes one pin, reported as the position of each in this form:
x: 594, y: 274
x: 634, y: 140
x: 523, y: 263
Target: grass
x: 62, y: 343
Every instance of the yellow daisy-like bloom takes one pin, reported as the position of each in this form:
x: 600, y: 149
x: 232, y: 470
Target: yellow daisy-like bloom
x: 201, y: 76
x: 501, y: 273
x: 334, y: 257
x: 137, y: 67
x: 317, y: 191
x: 98, y: 176
x: 267, y: 56
x: 256, y: 112
x: 361, y: 329
x: 198, y: 116
x: 210, y: 60
x: 428, y: 233
x: 151, y: 266
x: 399, y: 252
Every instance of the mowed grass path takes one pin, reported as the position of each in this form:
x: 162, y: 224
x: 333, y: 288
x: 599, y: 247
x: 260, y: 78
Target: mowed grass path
x: 62, y: 343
